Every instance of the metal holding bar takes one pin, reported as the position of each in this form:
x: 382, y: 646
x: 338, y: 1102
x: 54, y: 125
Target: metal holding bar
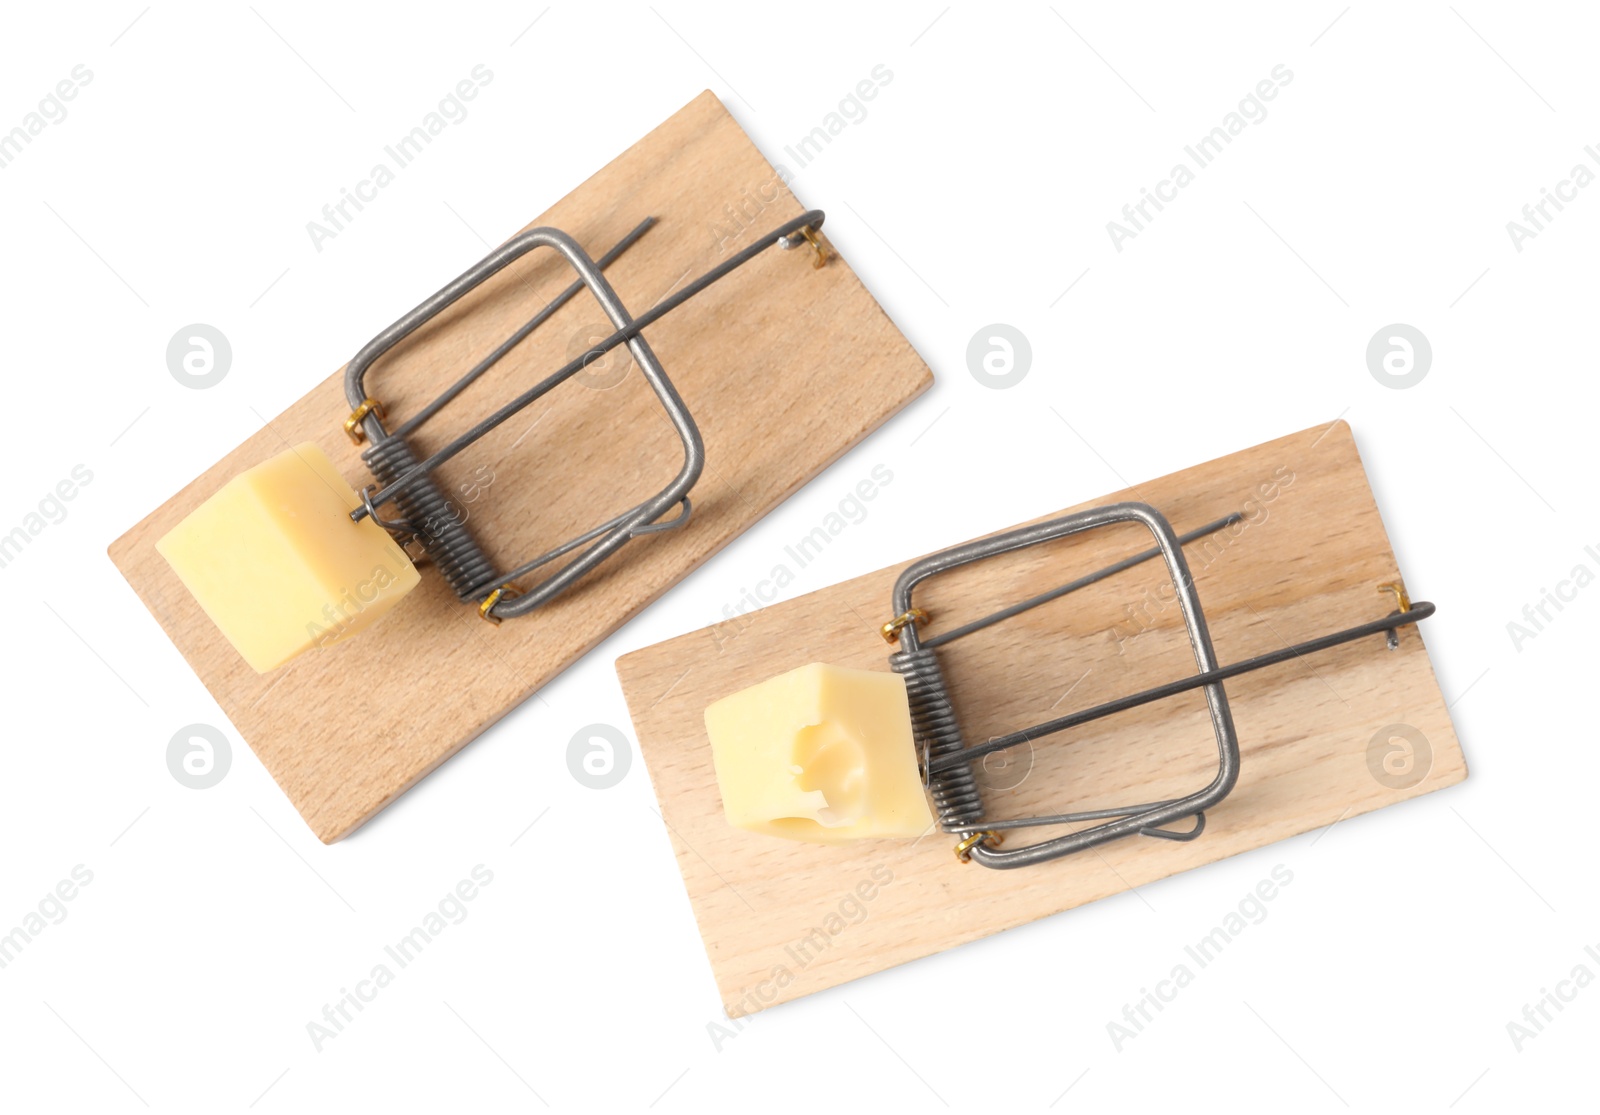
x: 1419, y: 611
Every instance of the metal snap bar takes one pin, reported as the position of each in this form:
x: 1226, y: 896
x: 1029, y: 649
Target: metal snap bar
x: 946, y: 758
x: 406, y: 479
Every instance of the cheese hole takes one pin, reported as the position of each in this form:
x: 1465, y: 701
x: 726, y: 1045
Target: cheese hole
x: 834, y: 765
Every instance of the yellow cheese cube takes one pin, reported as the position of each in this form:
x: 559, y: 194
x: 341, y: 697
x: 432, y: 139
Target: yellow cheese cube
x: 822, y: 754
x: 275, y: 561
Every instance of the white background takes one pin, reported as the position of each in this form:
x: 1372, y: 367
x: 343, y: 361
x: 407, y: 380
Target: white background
x: 975, y: 191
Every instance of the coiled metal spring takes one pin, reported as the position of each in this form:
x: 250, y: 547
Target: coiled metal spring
x: 933, y: 724
x: 434, y: 519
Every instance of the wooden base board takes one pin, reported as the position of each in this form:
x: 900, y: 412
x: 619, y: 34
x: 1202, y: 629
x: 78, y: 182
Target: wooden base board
x: 784, y: 367
x: 783, y: 919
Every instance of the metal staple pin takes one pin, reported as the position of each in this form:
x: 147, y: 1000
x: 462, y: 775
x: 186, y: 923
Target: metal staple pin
x: 946, y: 758
x: 891, y: 630
x: 1402, y: 601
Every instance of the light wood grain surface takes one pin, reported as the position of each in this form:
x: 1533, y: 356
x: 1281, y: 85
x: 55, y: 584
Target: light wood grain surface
x: 783, y: 919
x: 784, y: 368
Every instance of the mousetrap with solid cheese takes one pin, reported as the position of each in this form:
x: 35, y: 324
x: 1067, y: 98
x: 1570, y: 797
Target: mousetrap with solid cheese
x: 514, y: 467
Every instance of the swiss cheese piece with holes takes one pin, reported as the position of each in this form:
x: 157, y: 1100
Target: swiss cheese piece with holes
x: 275, y: 561
x: 821, y: 754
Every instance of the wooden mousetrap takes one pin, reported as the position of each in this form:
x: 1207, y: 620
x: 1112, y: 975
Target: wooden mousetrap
x: 578, y: 400
x: 1284, y: 547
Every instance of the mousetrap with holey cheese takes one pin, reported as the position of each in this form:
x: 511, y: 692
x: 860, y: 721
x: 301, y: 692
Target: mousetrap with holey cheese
x: 1254, y: 674
x: 275, y: 561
